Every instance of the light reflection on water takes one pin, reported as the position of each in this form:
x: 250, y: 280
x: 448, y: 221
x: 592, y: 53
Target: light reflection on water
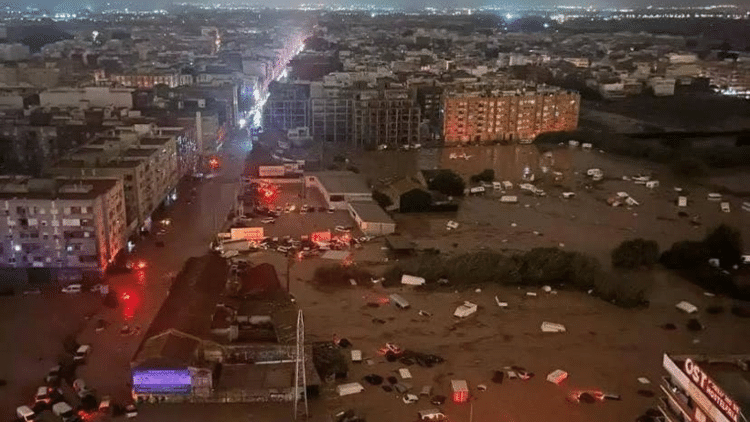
x: 508, y: 161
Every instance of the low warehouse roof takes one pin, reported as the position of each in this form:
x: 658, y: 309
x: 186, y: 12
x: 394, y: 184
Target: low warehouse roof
x: 342, y: 182
x: 370, y: 212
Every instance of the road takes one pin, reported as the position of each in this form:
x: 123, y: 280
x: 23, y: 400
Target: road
x: 195, y: 220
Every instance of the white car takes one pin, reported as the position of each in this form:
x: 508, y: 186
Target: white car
x: 72, y: 288
x: 342, y: 229
x: 81, y: 353
x: 131, y: 411
x: 269, y: 220
x: 42, y: 395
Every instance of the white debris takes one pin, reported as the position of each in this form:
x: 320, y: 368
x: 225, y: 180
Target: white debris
x: 353, y: 282
x: 478, y: 291
x: 501, y: 304
x: 547, y: 289
x: 452, y: 225
x: 350, y: 388
x: 465, y: 310
x: 513, y: 224
x: 411, y: 280
x: 404, y: 373
x: 551, y: 327
x: 509, y: 199
x: 557, y: 376
x: 687, y: 307
x: 481, y: 387
x: 568, y: 195
x: 709, y: 294
x: 644, y: 380
x: 562, y: 245
x: 531, y: 294
x: 356, y: 356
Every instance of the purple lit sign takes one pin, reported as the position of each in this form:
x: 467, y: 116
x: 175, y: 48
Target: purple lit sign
x: 162, y: 381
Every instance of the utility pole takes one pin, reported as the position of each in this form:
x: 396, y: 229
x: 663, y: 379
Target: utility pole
x: 288, y: 272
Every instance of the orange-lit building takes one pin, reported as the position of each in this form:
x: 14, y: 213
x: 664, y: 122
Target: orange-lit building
x: 149, y: 79
x: 486, y: 115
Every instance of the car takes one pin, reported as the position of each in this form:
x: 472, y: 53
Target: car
x: 137, y: 265
x: 81, y: 353
x: 99, y: 288
x: 53, y: 375
x: 105, y: 404
x: 342, y: 229
x: 42, y: 395
x: 72, y: 288
x: 269, y: 220
x: 32, y: 291
x: 161, y: 232
x: 131, y: 411
x: 331, y: 210
x: 410, y: 398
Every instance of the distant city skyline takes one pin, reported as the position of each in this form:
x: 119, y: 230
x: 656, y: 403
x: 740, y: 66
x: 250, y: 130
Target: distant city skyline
x: 69, y: 6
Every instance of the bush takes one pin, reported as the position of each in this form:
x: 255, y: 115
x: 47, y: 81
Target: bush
x: 488, y: 175
x: 624, y: 289
x: 725, y: 243
x: 685, y: 254
x: 635, y: 253
x: 339, y: 275
x: 448, y: 183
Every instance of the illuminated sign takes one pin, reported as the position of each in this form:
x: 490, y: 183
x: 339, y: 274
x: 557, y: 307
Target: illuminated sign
x: 247, y: 233
x: 271, y: 171
x: 162, y: 381
x: 712, y: 390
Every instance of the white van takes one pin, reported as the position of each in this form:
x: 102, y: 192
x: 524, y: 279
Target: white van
x: 25, y: 413
x: 72, y: 288
x: 431, y: 415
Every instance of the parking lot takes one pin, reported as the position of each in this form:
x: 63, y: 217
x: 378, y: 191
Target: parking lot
x: 293, y: 222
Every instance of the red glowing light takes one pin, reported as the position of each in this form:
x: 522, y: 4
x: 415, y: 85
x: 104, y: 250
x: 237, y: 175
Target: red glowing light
x: 141, y: 264
x: 213, y: 163
x: 460, y: 396
x: 131, y: 301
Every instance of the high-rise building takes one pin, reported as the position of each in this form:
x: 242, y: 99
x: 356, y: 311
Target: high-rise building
x: 480, y: 114
x: 385, y: 117
x: 288, y: 106
x: 73, y: 226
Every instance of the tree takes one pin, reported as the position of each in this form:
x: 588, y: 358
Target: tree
x: 382, y: 199
x: 448, y: 183
x: 488, y: 175
x: 635, y: 253
x: 725, y: 243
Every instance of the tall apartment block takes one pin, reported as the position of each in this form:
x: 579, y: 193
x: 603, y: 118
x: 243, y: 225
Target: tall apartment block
x: 146, y: 164
x: 332, y: 110
x: 288, y: 106
x: 70, y: 226
x: 488, y: 115
x: 385, y: 117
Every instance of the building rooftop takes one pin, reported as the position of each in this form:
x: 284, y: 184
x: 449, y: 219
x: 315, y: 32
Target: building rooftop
x: 339, y: 182
x: 370, y: 212
x: 60, y: 189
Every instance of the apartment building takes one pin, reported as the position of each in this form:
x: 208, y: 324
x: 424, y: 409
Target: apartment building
x: 73, y: 226
x: 150, y: 78
x: 385, y: 117
x: 288, y: 106
x: 729, y: 76
x: 332, y: 110
x: 147, y: 166
x: 477, y: 114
